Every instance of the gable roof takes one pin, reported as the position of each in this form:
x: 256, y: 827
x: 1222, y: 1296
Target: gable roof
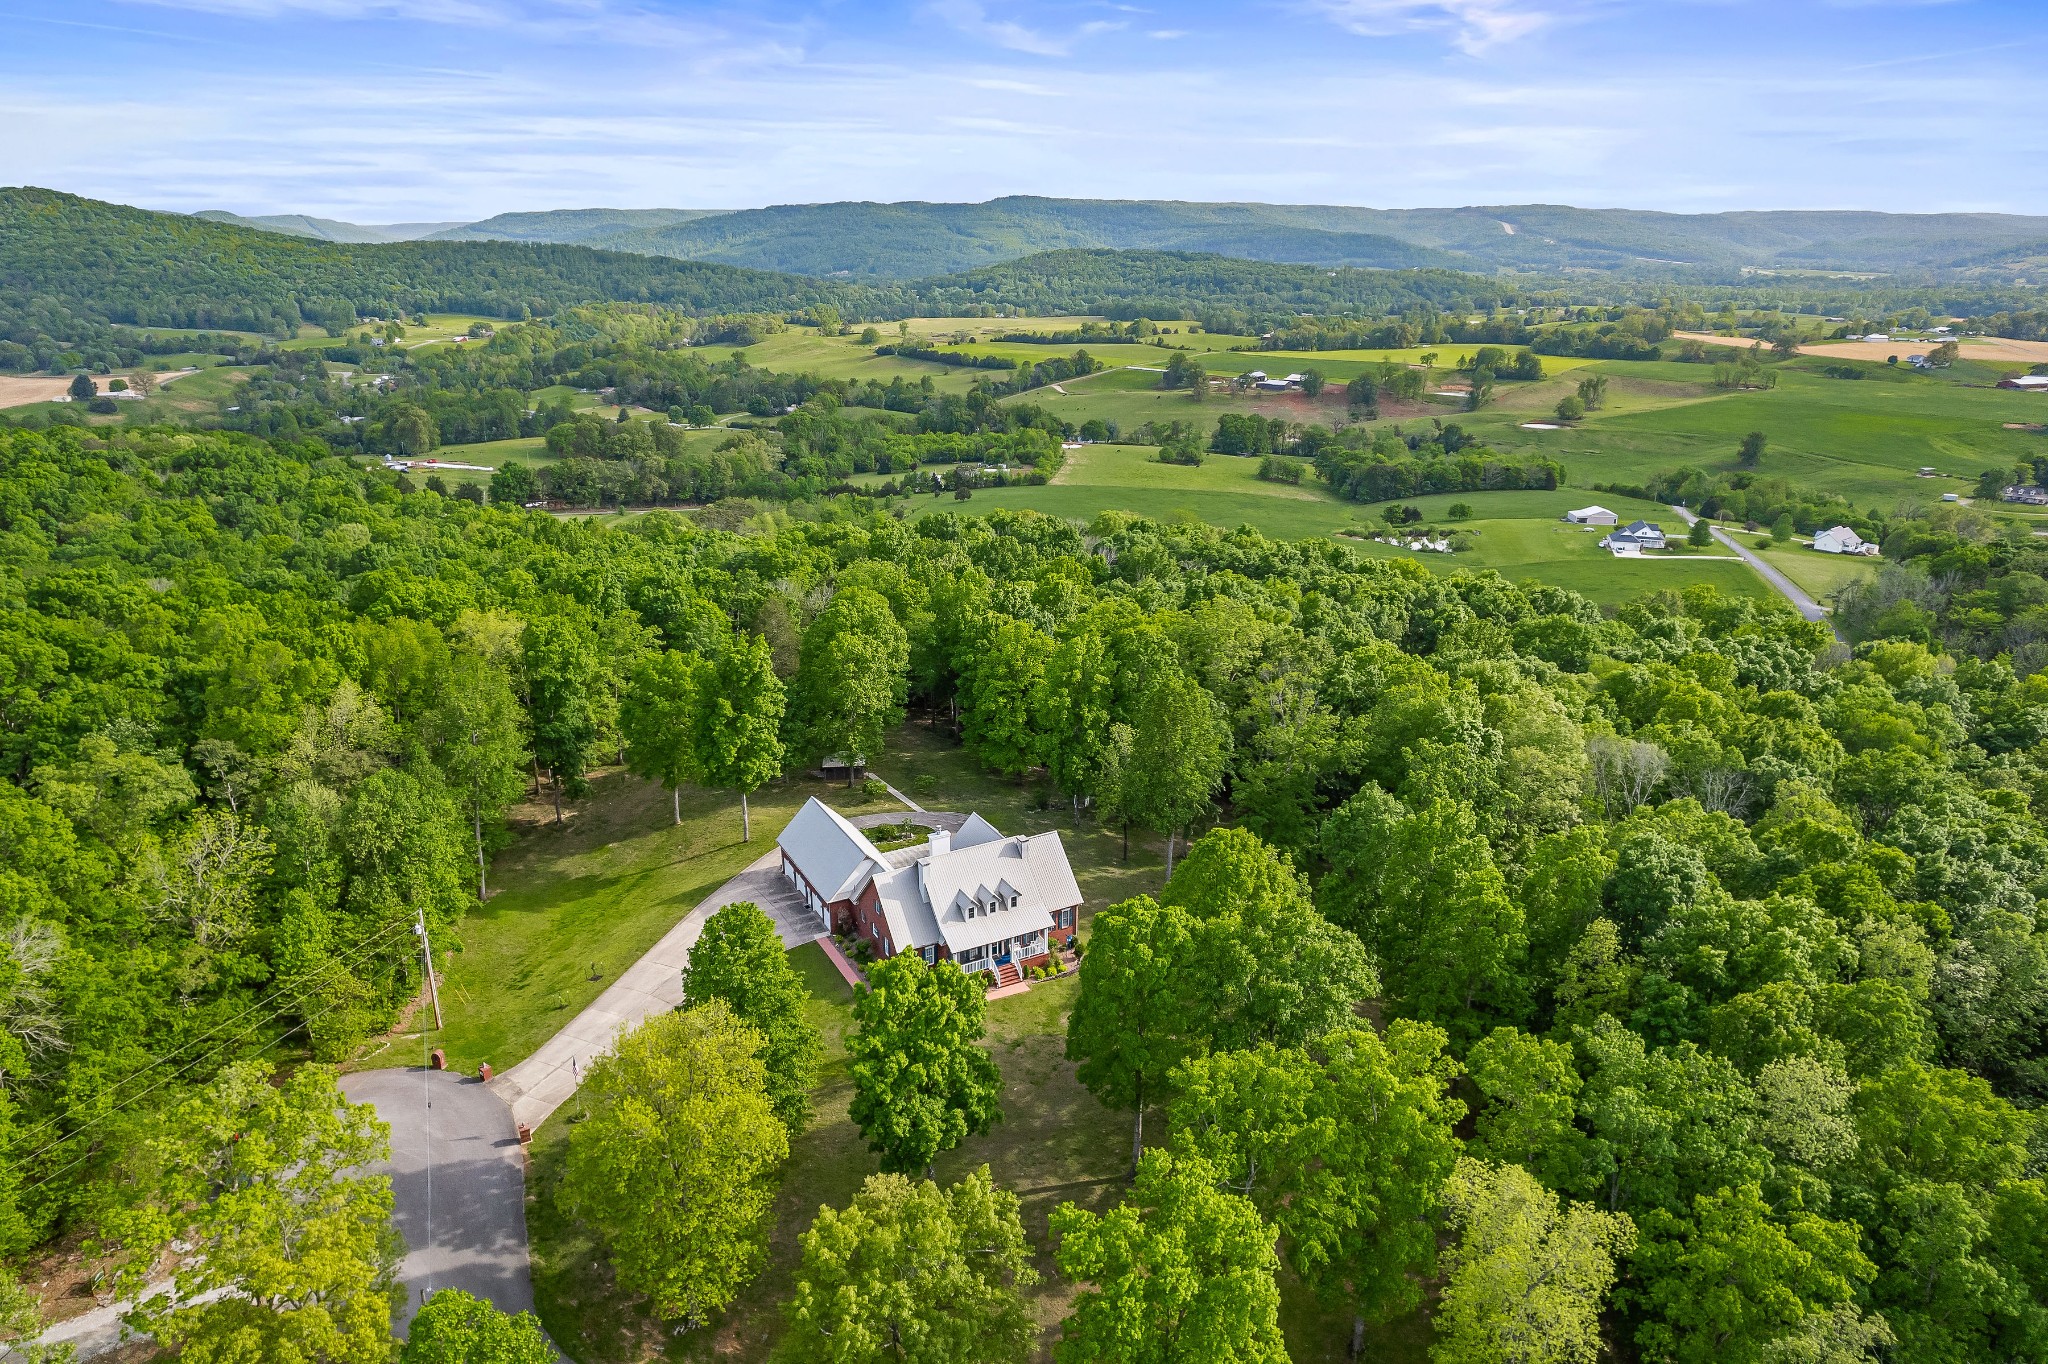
x: 836, y: 857
x: 975, y: 832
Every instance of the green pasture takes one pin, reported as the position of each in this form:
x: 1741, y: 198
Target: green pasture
x: 439, y: 328
x: 1130, y: 398
x: 1863, y: 440
x: 801, y: 350
x: 1344, y: 364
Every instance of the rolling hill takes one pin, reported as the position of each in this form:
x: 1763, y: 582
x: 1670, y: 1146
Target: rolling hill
x: 70, y: 265
x: 328, y: 229
x: 914, y: 240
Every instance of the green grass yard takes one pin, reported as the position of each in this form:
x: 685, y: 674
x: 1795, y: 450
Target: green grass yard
x: 574, y: 906
x: 1820, y: 575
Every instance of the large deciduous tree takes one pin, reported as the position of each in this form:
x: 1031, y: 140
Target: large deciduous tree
x: 1269, y: 967
x: 1179, y: 1273
x: 1524, y: 1282
x: 1137, y: 1014
x: 1073, y: 709
x: 674, y: 1168
x: 1421, y: 888
x: 456, y: 1328
x: 1345, y: 1145
x: 658, y: 718
x: 474, y: 731
x: 740, y: 959
x: 738, y: 735
x: 1176, y: 758
x: 563, y: 680
x: 999, y: 679
x: 1727, y: 1282
x: 850, y: 680
x: 912, y: 1272
x: 921, y: 1082
x: 285, y: 1249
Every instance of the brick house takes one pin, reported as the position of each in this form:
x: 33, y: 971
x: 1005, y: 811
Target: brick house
x: 988, y: 902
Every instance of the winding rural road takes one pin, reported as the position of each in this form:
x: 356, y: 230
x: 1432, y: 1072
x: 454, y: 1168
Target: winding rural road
x: 1806, y: 605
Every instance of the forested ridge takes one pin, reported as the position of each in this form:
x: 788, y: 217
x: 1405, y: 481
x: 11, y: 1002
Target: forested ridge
x: 1727, y: 937
x: 69, y: 261
x: 79, y: 277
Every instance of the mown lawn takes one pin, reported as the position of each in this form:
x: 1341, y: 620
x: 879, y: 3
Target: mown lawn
x: 574, y: 905
x: 1822, y: 575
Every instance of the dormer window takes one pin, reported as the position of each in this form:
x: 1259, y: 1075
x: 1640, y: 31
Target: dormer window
x: 1013, y: 901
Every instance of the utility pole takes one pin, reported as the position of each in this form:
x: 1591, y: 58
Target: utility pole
x: 419, y: 927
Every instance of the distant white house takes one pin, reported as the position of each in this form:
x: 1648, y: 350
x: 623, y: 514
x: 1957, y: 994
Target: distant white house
x: 1592, y: 516
x: 1842, y: 540
x: 1635, y: 537
x: 2036, y: 382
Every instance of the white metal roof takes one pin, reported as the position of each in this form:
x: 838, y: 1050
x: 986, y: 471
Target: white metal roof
x: 836, y: 857
x: 975, y: 832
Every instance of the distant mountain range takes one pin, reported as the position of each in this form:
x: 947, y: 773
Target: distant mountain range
x: 874, y: 241
x: 330, y: 230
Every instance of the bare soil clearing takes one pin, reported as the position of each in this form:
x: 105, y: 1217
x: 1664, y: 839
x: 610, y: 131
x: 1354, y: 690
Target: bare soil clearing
x: 1973, y: 347
x: 19, y: 390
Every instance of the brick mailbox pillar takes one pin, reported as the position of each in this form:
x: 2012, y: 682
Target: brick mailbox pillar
x: 483, y: 1072
x: 438, y: 1059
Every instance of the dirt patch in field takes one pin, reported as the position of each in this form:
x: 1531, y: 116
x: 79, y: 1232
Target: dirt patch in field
x: 19, y: 390
x: 1991, y: 348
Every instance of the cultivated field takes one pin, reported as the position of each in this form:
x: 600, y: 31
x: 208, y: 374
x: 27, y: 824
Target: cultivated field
x: 1992, y: 348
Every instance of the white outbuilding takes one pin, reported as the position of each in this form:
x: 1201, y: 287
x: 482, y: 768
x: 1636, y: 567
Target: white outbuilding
x: 1592, y: 516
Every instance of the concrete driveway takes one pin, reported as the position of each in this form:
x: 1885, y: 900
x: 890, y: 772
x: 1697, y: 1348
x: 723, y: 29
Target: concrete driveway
x: 458, y: 1184
x: 541, y: 1083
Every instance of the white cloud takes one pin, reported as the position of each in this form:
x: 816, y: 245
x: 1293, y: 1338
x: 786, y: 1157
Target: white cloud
x: 1476, y: 25
x: 972, y: 18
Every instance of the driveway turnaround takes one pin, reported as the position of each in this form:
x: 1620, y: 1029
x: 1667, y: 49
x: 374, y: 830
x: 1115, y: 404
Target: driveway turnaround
x: 458, y: 1185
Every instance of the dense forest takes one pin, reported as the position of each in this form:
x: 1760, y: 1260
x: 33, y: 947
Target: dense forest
x: 1726, y: 935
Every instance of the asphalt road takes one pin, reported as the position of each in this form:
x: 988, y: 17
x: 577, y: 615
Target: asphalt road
x: 458, y: 1185
x: 1806, y: 605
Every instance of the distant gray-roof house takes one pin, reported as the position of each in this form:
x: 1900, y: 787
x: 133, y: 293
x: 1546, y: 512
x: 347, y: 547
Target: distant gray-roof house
x: 975, y: 897
x: 1635, y: 537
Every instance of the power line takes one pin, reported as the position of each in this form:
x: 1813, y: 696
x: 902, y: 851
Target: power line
x: 362, y: 949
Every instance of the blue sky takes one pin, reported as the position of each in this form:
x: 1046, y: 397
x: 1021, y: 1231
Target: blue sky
x: 427, y: 110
